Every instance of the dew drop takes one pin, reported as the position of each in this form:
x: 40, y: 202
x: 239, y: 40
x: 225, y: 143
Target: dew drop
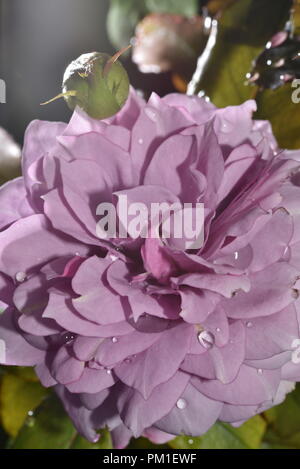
x: 249, y: 324
x: 260, y: 371
x: 181, y: 404
x: 108, y: 372
x: 236, y: 255
x: 30, y: 413
x: 151, y: 114
x: 133, y: 41
x: 206, y: 339
x: 30, y: 422
x: 114, y: 340
x: 218, y: 329
x: 113, y: 257
x: 190, y: 442
x: 248, y: 75
x: 21, y: 277
x: 207, y: 22
x: 68, y: 337
x: 269, y: 62
x: 141, y: 141
x: 127, y: 360
x: 226, y: 126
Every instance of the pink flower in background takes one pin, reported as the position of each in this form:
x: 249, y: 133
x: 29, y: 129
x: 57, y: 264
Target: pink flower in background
x: 140, y: 335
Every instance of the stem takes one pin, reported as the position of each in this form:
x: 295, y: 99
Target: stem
x: 61, y: 95
x: 203, y: 59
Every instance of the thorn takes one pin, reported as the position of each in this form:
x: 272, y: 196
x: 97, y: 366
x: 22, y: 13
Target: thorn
x: 61, y: 95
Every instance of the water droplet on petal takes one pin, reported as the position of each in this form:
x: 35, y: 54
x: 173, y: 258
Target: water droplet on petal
x: 151, y: 114
x: 141, y: 141
x: 226, y: 126
x: 68, y: 337
x: 108, y: 372
x: 260, y: 371
x: 269, y: 62
x: 113, y: 257
x: 218, y: 329
x: 114, y: 340
x: 207, y: 22
x: 236, y: 255
x: 206, y: 339
x: 21, y: 277
x: 30, y: 413
x: 295, y: 343
x: 249, y: 324
x: 181, y: 404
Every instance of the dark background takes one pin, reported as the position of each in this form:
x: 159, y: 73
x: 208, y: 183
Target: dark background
x: 38, y: 39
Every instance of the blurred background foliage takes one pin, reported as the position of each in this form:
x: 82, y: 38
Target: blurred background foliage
x: 33, y: 418
x: 38, y: 39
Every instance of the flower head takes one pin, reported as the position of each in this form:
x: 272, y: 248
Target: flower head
x: 142, y: 334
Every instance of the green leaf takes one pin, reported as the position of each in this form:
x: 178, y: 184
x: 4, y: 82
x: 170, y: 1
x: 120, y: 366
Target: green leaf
x: 179, y: 7
x: 224, y: 436
x: 143, y: 443
x: 277, y: 107
x: 48, y: 428
x: 120, y: 32
x: 24, y: 372
x: 284, y: 428
x: 51, y: 428
x: 17, y: 397
x: 103, y: 443
x: 186, y: 442
x: 244, y: 29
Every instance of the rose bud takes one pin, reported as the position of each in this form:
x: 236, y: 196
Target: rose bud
x: 167, y: 42
x: 97, y: 83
